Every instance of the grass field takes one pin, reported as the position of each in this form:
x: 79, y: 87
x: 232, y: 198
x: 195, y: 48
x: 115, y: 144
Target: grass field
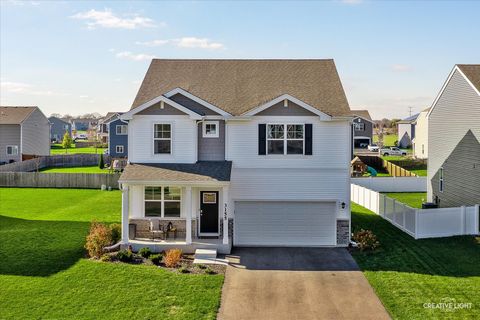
x: 44, y: 275
x: 88, y: 169
x: 407, y: 273
x: 57, y: 149
x: 388, y: 140
x: 411, y: 199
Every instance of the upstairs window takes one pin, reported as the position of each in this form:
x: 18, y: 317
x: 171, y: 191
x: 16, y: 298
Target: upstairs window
x: 121, y: 129
x: 359, y: 126
x: 210, y: 129
x: 285, y: 139
x: 12, y: 150
x: 440, y: 180
x: 162, y: 138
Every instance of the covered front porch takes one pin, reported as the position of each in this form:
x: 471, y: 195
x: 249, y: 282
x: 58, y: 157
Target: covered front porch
x: 185, y: 206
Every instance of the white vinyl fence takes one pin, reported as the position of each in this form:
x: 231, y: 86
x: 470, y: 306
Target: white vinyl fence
x: 419, y: 223
x: 392, y: 184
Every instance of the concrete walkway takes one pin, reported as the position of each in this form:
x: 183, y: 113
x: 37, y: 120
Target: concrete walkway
x: 297, y: 283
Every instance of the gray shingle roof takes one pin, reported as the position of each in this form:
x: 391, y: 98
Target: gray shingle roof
x: 238, y: 86
x: 202, y: 171
x: 362, y: 113
x: 14, y: 115
x: 472, y: 72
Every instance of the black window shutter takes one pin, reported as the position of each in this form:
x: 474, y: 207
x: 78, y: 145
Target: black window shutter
x: 262, y: 141
x: 308, y: 139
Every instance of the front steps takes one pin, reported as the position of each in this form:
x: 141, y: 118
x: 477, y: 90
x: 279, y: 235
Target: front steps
x: 208, y: 256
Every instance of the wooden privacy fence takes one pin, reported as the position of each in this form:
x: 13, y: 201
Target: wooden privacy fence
x: 393, y: 169
x: 58, y: 180
x: 419, y: 223
x: 57, y: 161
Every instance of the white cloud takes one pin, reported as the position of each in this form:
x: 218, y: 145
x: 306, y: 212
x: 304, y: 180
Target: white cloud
x: 24, y: 88
x: 351, y: 1
x: 83, y: 97
x: 401, y: 68
x: 186, y: 42
x: 107, y: 19
x: 133, y: 56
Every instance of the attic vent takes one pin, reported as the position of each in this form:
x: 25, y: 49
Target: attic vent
x: 162, y: 106
x: 285, y: 103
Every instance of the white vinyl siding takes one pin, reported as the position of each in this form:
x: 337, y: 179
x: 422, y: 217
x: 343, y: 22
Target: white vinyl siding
x: 283, y: 223
x: 421, y: 136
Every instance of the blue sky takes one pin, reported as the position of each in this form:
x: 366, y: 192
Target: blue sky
x: 84, y: 56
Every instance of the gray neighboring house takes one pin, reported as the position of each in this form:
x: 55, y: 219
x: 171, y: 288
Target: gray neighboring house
x: 406, y: 131
x: 362, y: 129
x: 453, y: 140
x: 24, y: 132
x: 58, y: 127
x: 117, y: 137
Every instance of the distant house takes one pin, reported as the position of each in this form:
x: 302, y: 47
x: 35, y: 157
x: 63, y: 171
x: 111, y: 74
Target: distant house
x: 406, y: 131
x: 453, y: 140
x: 362, y: 128
x: 420, y: 142
x: 24, y: 132
x: 83, y: 124
x: 58, y: 127
x: 102, y: 127
x: 117, y: 137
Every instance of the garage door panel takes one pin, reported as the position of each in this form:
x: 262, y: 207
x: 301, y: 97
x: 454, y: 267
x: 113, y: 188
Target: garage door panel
x: 284, y: 223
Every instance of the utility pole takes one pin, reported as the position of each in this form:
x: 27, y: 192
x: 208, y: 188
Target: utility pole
x: 410, y: 111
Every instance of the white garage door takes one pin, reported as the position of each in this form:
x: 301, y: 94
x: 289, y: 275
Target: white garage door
x: 284, y: 223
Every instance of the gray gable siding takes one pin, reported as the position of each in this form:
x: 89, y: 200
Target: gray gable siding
x: 406, y: 133
x: 57, y: 128
x: 211, y: 149
x: 167, y: 110
x: 461, y: 175
x: 293, y: 109
x: 192, y: 105
x: 36, y: 134
x: 117, y: 140
x: 9, y: 136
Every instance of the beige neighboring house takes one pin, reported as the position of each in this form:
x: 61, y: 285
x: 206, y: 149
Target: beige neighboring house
x: 420, y: 142
x: 24, y: 132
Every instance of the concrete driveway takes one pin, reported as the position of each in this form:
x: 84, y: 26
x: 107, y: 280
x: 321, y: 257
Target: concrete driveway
x: 297, y: 283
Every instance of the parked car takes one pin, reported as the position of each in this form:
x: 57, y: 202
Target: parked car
x: 393, y: 151
x: 372, y: 147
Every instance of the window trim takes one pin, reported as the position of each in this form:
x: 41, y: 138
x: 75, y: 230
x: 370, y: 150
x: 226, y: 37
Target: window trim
x: 361, y: 126
x: 154, y: 139
x: 13, y: 147
x: 441, y: 180
x: 121, y: 125
x: 285, y: 139
x: 162, y: 201
x: 204, y: 129
x: 119, y: 145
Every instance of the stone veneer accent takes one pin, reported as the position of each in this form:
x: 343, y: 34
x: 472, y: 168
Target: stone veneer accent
x: 144, y: 224
x: 230, y: 231
x: 343, y: 232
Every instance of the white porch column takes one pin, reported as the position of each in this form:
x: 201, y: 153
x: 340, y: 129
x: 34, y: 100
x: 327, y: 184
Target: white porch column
x: 188, y: 222
x: 225, y: 214
x: 125, y: 213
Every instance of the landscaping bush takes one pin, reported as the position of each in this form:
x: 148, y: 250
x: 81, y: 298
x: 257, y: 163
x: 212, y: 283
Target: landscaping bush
x: 116, y: 229
x: 125, y: 255
x: 101, y: 164
x: 209, y: 270
x: 156, y: 258
x: 99, y: 237
x: 106, y: 258
x: 183, y: 270
x: 201, y: 266
x: 172, y: 257
x: 145, y: 252
x: 366, y: 240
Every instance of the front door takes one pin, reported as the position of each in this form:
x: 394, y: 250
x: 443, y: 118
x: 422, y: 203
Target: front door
x: 209, y: 212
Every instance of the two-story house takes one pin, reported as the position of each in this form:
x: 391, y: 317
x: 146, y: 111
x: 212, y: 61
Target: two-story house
x: 58, y: 127
x: 454, y: 140
x: 406, y: 131
x: 117, y: 136
x: 362, y: 128
x: 238, y: 152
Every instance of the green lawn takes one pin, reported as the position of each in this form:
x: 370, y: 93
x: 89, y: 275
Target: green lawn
x: 412, y: 199
x: 407, y: 273
x: 388, y: 140
x: 88, y: 169
x: 43, y: 272
x: 420, y: 172
x: 57, y: 149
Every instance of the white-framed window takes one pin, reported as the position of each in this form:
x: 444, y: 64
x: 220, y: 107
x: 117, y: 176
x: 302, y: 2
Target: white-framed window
x: 12, y: 150
x: 441, y: 180
x: 359, y: 126
x: 285, y: 139
x: 162, y: 138
x: 121, y: 129
x: 119, y: 149
x: 164, y: 202
x: 210, y: 129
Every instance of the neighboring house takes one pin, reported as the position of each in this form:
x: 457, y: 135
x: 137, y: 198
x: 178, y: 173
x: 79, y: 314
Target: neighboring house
x: 406, y: 131
x: 102, y: 127
x: 118, y: 137
x: 24, y: 132
x: 83, y: 124
x: 362, y: 128
x: 58, y: 127
x: 420, y: 142
x: 242, y: 152
x: 453, y: 140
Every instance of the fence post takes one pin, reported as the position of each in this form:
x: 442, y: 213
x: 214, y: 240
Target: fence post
x: 463, y: 213
x: 477, y: 219
x: 416, y: 224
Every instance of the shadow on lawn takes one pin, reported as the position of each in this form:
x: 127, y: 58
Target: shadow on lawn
x: 453, y: 256
x: 40, y: 248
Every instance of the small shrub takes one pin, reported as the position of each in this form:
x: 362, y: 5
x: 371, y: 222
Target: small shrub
x: 183, y: 270
x: 145, y: 252
x: 101, y: 164
x: 116, y: 229
x: 106, y: 258
x: 125, y: 255
x: 99, y: 237
x: 366, y: 240
x: 209, y: 270
x: 156, y: 258
x: 172, y: 257
x: 201, y: 266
